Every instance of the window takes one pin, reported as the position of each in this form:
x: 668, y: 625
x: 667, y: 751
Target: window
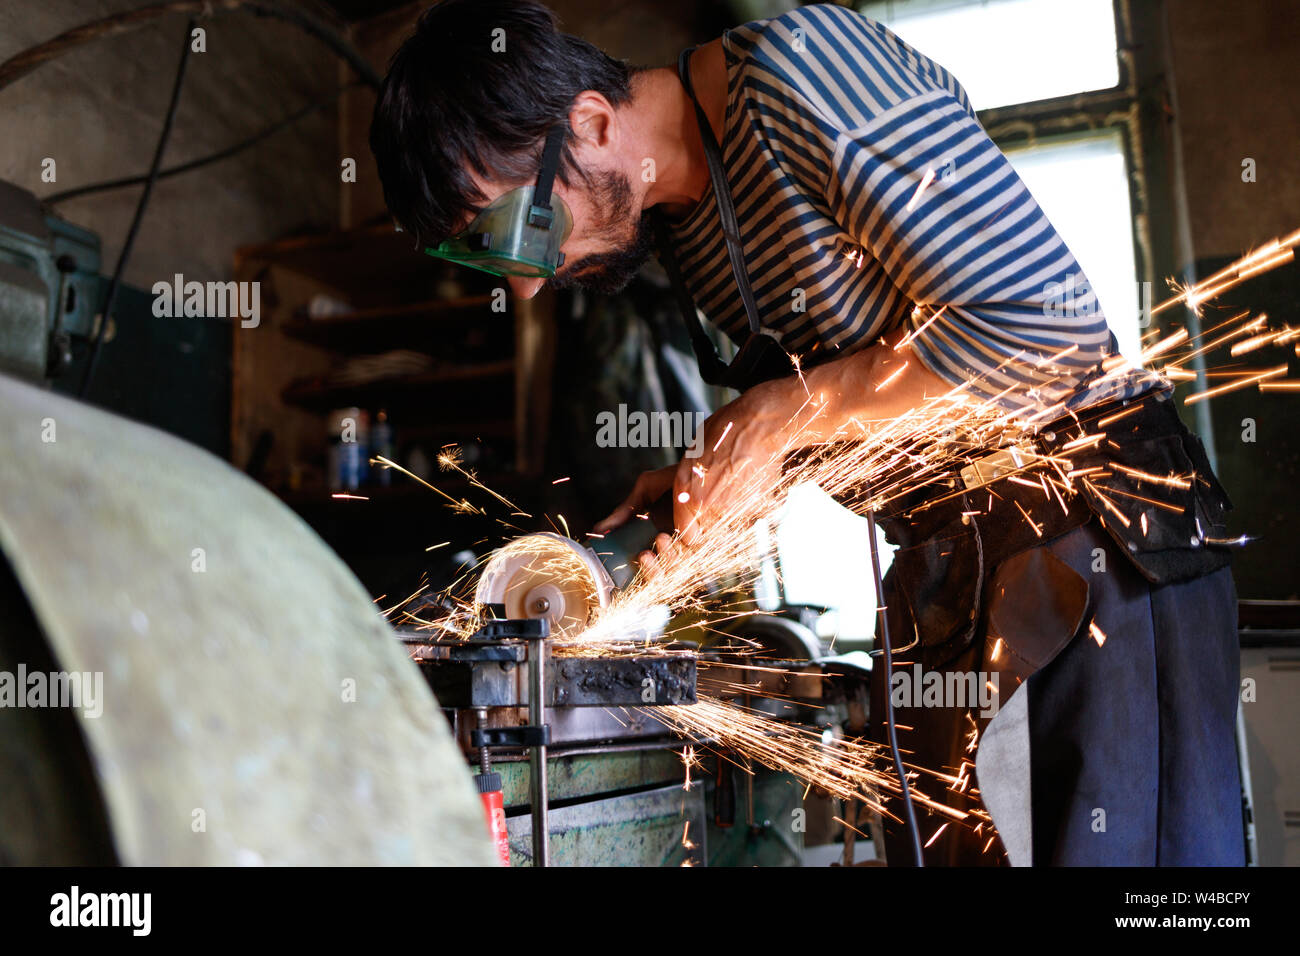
x: 1010, y: 51
x: 1081, y: 183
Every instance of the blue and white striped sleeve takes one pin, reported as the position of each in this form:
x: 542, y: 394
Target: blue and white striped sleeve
x: 1015, y: 315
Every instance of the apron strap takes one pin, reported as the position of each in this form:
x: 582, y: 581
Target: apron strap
x: 712, y: 369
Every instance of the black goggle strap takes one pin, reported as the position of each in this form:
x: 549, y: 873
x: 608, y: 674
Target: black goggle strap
x: 722, y: 195
x: 540, y: 213
x: 760, y: 356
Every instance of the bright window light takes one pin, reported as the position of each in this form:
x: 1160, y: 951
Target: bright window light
x: 825, y: 560
x: 1081, y: 183
x: 1010, y: 51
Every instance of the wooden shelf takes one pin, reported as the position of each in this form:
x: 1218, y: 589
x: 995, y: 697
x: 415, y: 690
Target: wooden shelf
x: 318, y: 396
x: 334, y: 257
x: 380, y: 329
x: 401, y: 299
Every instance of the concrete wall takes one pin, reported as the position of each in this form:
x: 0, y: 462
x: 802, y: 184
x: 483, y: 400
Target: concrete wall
x: 97, y: 112
x: 1234, y: 67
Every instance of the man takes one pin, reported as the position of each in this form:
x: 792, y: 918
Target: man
x: 886, y: 239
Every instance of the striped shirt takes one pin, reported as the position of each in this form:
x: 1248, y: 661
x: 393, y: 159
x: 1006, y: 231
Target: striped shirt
x: 833, y: 124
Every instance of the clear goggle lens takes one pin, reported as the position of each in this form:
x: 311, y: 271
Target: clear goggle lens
x: 512, y: 237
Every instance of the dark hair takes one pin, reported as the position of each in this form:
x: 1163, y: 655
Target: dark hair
x: 451, y: 103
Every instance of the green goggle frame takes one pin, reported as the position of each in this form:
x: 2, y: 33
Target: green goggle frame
x: 512, y: 236
x: 520, y: 232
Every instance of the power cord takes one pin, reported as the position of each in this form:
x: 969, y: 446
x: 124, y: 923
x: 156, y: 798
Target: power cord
x: 20, y: 64
x: 909, y: 812
x: 193, y: 164
x: 111, y: 296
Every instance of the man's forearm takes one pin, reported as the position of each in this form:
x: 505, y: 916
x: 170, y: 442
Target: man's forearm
x: 843, y: 400
x: 852, y: 394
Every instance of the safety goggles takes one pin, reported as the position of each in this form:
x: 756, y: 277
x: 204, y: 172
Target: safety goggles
x: 520, y: 232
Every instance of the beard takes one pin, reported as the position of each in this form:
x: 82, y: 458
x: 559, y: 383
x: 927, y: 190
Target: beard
x: 609, y: 272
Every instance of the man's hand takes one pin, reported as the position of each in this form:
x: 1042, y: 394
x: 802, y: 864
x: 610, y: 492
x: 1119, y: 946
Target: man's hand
x: 736, y: 458
x: 743, y: 445
x: 740, y: 456
x: 649, y: 488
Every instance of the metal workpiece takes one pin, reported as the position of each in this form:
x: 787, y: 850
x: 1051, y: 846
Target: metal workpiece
x: 507, y: 670
x: 526, y: 692
x: 575, y: 727
x: 465, y: 675
x: 652, y: 680
x: 471, y: 674
x: 255, y: 707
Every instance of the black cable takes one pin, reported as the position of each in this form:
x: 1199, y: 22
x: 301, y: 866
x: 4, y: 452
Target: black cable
x: 20, y: 64
x: 909, y: 812
x: 66, y: 194
x: 113, y: 284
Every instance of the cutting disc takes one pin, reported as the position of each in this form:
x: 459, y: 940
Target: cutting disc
x: 549, y: 576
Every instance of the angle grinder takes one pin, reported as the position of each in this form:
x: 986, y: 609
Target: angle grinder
x: 546, y: 576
